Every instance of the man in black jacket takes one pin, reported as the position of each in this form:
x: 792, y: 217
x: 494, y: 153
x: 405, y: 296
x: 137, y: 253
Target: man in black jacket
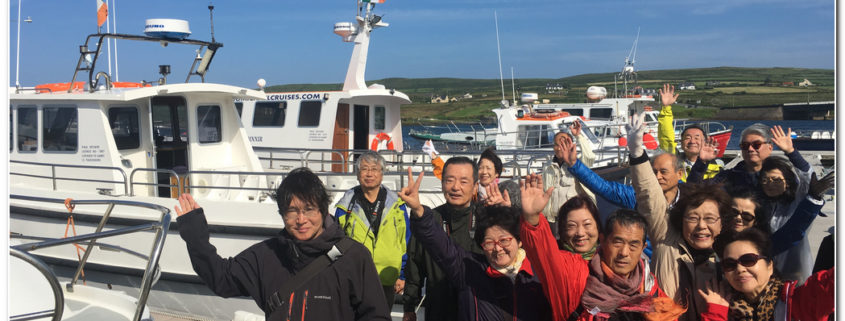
x: 457, y: 218
x: 348, y: 289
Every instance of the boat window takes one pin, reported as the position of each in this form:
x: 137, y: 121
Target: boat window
x: 602, y: 113
x: 269, y: 114
x: 379, y: 120
x: 240, y: 108
x: 536, y: 136
x: 650, y: 118
x: 574, y: 111
x: 309, y: 113
x: 27, y: 129
x: 124, y: 127
x: 208, y: 118
x: 60, y: 129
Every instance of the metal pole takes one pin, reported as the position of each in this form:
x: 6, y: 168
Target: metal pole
x: 18, y: 49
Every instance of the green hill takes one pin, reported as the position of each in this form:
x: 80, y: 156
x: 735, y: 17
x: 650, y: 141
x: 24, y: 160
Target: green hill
x: 736, y: 87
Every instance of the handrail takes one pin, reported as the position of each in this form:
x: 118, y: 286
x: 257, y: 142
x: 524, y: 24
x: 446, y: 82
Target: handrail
x: 159, y: 227
x: 172, y: 173
x: 58, y: 295
x: 53, y: 177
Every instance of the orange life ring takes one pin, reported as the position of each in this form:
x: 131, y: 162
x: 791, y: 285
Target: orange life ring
x: 79, y: 85
x: 379, y: 138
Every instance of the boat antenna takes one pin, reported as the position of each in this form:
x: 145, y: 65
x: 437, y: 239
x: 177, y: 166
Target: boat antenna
x: 513, y: 88
x: 211, y: 17
x: 499, y: 49
x: 114, y: 20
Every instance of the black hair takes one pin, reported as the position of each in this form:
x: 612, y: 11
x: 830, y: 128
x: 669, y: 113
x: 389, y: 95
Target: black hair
x: 304, y: 185
x: 577, y: 202
x: 490, y: 155
x: 626, y: 217
x: 694, y: 196
x: 785, y: 167
x: 462, y: 160
x: 694, y: 126
x: 506, y: 217
x: 761, y: 240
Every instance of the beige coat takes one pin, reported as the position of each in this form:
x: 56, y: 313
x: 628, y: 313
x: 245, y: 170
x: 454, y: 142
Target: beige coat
x: 565, y: 185
x: 671, y: 259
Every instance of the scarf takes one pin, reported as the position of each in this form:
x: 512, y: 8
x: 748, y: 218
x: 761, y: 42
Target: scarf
x: 616, y: 296
x: 512, y: 270
x: 587, y: 256
x: 743, y: 310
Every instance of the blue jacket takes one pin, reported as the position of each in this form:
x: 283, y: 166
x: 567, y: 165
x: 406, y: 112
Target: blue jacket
x: 483, y: 292
x: 617, y: 193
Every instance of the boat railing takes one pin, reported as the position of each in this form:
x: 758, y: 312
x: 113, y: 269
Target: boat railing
x: 172, y: 173
x: 54, y: 178
x: 152, y: 269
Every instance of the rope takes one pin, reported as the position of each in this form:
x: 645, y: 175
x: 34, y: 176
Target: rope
x: 70, y: 224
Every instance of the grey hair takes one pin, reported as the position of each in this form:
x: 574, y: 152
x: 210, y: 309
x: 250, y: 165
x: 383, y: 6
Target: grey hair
x: 678, y: 161
x: 370, y: 157
x: 757, y: 129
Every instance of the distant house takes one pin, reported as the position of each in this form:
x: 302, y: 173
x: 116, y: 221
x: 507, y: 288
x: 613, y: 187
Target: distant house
x: 788, y: 84
x: 467, y: 96
x: 687, y: 85
x: 805, y: 83
x: 551, y: 88
x: 440, y: 99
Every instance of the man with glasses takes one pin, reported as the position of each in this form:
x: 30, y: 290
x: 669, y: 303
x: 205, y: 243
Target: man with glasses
x: 373, y: 215
x: 756, y: 145
x: 309, y: 271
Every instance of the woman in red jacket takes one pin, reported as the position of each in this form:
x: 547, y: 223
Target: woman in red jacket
x: 756, y: 291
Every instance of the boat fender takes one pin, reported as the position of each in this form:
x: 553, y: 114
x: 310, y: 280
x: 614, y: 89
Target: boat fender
x: 378, y: 139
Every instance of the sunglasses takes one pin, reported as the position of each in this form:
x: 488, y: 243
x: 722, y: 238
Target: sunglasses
x: 745, y: 216
x: 756, y: 145
x: 772, y: 180
x: 747, y: 260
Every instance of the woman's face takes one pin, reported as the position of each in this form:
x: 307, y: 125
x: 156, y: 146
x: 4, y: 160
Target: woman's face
x: 486, y: 172
x: 702, y: 225
x: 582, y: 232
x: 773, y: 183
x: 500, y: 247
x: 742, y: 215
x: 748, y: 280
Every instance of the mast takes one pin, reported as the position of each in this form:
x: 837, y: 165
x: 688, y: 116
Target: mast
x: 359, y: 33
x: 499, y: 49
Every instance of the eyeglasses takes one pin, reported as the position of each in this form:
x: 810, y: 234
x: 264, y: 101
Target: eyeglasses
x: 756, y: 145
x: 747, y: 260
x: 504, y: 242
x: 308, y: 212
x: 771, y: 180
x: 745, y: 216
x: 695, y: 219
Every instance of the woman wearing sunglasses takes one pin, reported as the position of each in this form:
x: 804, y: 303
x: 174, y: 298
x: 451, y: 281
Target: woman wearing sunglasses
x: 496, y: 285
x: 791, y: 204
x: 756, y: 290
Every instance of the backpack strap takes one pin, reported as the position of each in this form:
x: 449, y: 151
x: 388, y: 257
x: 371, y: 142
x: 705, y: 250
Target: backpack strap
x: 319, y: 264
x: 577, y: 313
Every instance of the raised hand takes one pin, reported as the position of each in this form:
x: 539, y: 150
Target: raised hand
x: 534, y: 199
x: 494, y: 197
x: 559, y: 145
x: 782, y: 140
x: 410, y: 194
x: 575, y: 128
x: 709, y: 150
x: 716, y: 293
x: 635, y: 130
x: 668, y: 95
x: 187, y: 202
x: 568, y: 153
x: 818, y: 187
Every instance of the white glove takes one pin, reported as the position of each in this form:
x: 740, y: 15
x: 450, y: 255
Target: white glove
x: 428, y: 148
x: 635, y: 131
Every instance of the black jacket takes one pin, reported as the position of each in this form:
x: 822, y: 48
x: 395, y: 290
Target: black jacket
x: 483, y: 292
x: 421, y: 270
x: 349, y: 289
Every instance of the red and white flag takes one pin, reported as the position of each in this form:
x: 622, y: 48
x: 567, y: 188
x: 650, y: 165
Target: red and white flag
x: 102, y: 12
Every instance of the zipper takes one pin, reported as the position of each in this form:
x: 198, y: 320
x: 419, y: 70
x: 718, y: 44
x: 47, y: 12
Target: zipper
x: 290, y: 305
x: 304, y: 304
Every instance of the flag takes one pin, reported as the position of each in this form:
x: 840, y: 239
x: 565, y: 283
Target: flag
x: 102, y: 12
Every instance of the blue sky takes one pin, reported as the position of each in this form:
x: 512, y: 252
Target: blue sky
x: 288, y: 41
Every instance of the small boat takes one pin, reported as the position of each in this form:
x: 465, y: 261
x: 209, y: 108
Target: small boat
x: 477, y: 135
x: 816, y: 140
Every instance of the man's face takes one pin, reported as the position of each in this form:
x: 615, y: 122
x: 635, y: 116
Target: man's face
x: 621, y: 249
x: 692, y: 141
x: 664, y: 168
x: 303, y: 220
x: 369, y: 175
x: 755, y: 149
x: 458, y: 184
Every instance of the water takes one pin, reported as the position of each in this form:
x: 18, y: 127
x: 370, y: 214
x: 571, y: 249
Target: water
x: 738, y: 125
